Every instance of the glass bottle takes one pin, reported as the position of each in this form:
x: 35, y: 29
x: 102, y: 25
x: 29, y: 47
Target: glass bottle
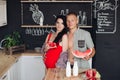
x: 41, y: 21
x: 68, y: 69
x: 80, y: 18
x: 75, y: 68
x: 84, y: 19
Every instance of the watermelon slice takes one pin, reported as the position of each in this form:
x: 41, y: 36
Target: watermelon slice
x: 79, y: 54
x: 52, y: 44
x: 90, y: 74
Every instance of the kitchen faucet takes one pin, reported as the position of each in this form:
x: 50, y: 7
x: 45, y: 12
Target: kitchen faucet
x: 1, y: 43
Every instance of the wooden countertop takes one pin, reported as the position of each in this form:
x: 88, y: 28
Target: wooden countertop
x: 6, y: 61
x: 60, y: 74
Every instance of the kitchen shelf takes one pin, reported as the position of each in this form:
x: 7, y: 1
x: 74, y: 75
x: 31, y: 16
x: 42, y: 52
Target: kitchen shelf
x: 57, y: 0
x: 44, y: 26
x: 49, y: 26
x: 46, y: 7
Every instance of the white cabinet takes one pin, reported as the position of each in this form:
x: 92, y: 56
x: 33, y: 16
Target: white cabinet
x: 26, y: 68
x: 14, y: 71
x: 5, y: 76
x: 32, y: 68
x: 3, y: 13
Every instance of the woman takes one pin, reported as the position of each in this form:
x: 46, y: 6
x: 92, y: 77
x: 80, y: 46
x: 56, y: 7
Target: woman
x: 56, y: 43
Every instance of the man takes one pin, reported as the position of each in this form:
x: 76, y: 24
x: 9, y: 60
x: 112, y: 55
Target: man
x: 78, y: 39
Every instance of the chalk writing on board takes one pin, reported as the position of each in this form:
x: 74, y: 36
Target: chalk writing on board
x: 106, y: 11
x: 37, y: 15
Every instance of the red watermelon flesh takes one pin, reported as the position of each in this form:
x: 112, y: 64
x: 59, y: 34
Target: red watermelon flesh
x: 90, y: 74
x: 88, y: 51
x: 52, y: 44
x: 80, y: 54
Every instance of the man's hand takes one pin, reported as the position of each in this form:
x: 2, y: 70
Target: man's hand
x: 86, y: 58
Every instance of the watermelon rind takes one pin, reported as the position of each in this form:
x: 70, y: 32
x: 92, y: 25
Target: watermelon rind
x: 79, y: 54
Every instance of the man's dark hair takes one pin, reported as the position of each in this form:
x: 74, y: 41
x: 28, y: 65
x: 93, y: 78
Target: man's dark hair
x: 72, y: 13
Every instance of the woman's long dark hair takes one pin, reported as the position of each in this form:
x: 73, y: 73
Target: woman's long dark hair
x: 64, y: 31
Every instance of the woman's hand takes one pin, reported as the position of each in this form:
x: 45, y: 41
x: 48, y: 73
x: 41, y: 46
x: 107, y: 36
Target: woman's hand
x: 46, y: 47
x: 50, y: 45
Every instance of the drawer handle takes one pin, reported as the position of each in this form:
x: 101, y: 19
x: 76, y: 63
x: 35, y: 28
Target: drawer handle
x: 40, y: 57
x: 4, y: 77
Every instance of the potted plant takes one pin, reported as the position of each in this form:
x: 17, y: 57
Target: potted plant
x: 12, y: 40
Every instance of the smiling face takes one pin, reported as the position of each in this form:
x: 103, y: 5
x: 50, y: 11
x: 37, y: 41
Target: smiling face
x: 72, y: 21
x: 59, y: 25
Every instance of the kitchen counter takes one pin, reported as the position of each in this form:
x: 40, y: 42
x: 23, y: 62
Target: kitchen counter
x: 6, y: 61
x: 60, y: 74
